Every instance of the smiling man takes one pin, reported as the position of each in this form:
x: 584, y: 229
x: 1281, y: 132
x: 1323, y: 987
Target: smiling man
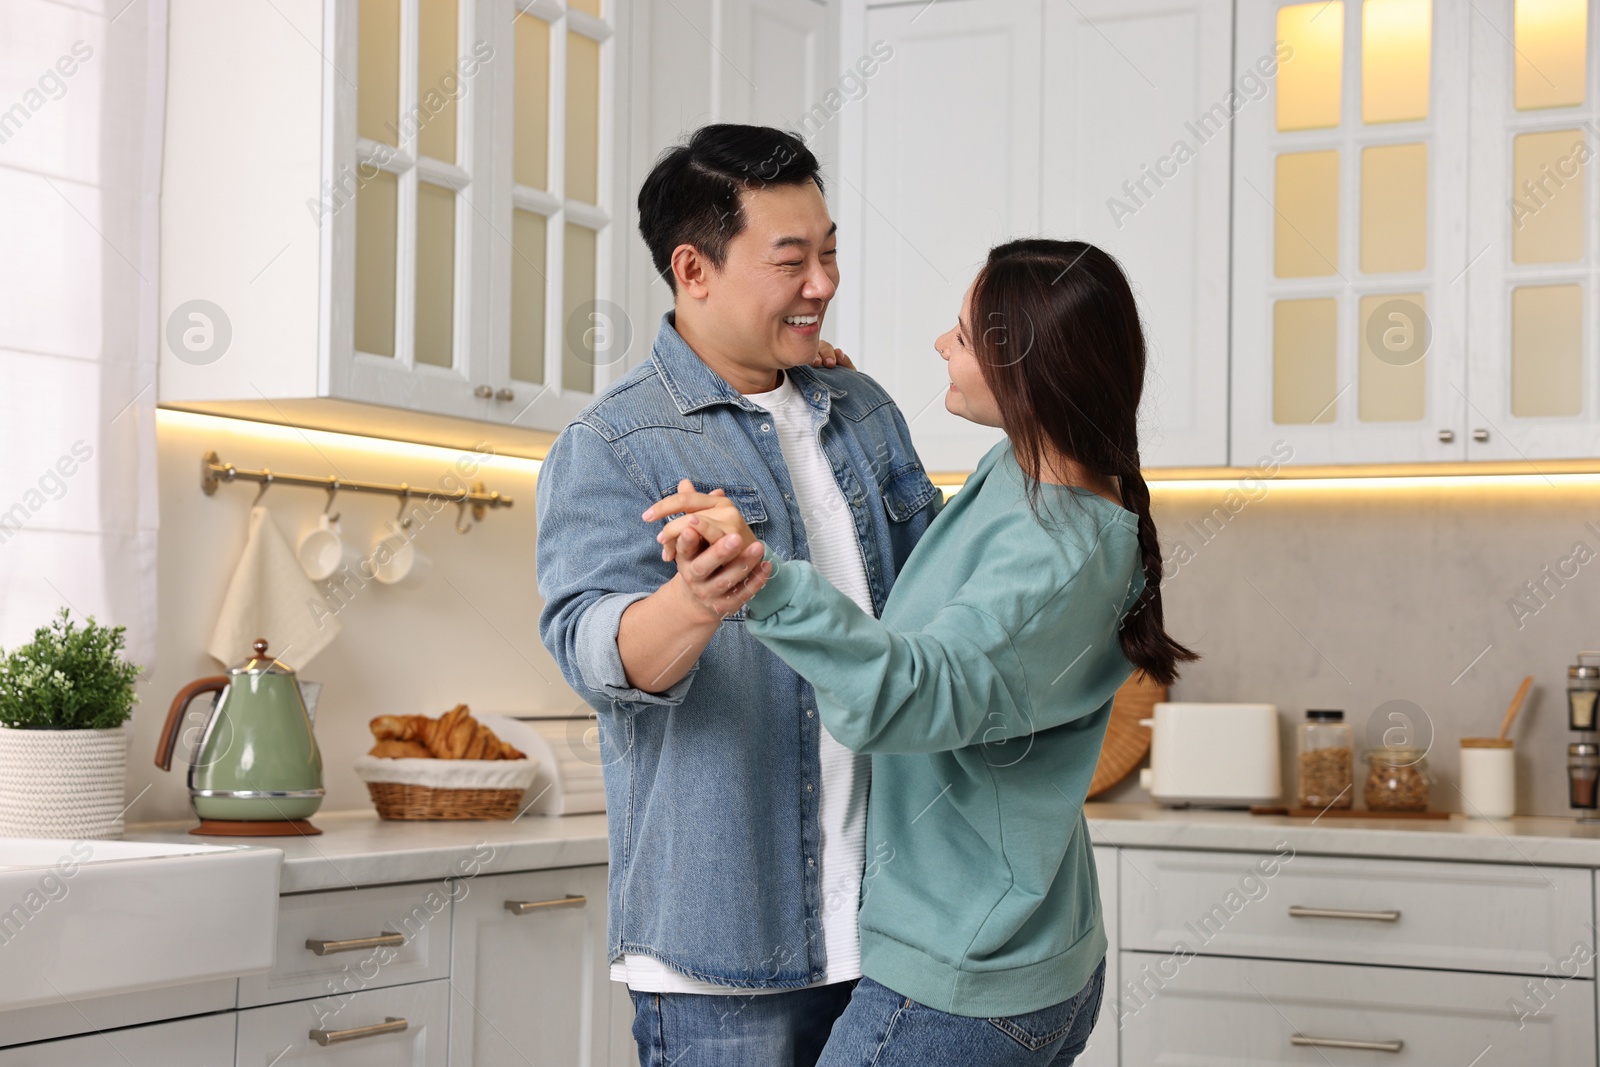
x: 736, y: 823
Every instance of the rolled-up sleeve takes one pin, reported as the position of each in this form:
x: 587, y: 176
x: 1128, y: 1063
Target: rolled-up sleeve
x: 595, y: 558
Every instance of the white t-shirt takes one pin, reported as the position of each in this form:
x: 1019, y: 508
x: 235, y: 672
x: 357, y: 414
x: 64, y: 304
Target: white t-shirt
x: 842, y: 791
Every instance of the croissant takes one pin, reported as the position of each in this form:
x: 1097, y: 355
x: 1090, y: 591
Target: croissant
x: 392, y: 749
x: 453, y: 735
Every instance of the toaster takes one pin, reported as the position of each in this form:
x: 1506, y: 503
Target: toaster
x: 1213, y: 755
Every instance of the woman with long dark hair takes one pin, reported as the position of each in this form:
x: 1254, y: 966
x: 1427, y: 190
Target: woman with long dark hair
x: 984, y: 691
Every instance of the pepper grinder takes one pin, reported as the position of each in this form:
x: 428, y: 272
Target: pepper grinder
x: 1583, y: 757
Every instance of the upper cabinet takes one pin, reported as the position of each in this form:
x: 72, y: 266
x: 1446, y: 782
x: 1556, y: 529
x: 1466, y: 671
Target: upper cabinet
x: 1535, y: 264
x: 1350, y: 231
x: 1414, y: 232
x: 987, y: 120
x: 406, y: 203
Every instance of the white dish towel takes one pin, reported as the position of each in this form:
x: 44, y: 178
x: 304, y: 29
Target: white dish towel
x: 270, y: 597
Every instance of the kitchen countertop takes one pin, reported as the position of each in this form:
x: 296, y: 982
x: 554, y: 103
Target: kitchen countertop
x: 356, y: 848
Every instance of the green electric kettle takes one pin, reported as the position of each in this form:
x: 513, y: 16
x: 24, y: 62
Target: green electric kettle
x: 257, y: 771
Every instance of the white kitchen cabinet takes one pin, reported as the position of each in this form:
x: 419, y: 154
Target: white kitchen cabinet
x: 1534, y: 390
x: 1212, y: 1010
x: 1350, y: 237
x: 403, y: 1026
x: 1102, y: 1049
x: 202, y: 1041
x: 529, y: 983
x: 345, y: 940
x: 396, y: 204
x: 1508, y: 918
x: 947, y: 164
x: 1129, y: 163
x: 764, y: 62
x: 999, y: 120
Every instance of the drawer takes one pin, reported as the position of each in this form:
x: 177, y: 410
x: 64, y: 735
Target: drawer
x: 348, y: 921
x: 402, y: 1026
x: 1504, y: 918
x: 204, y: 1041
x: 1248, y: 1013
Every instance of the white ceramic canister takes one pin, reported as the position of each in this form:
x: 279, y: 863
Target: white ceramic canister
x: 1488, y: 777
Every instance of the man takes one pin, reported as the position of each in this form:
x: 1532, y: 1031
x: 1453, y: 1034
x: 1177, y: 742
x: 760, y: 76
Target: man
x: 736, y: 824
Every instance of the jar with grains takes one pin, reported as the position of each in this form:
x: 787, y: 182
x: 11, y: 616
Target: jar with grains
x: 1397, y: 780
x: 1326, y: 777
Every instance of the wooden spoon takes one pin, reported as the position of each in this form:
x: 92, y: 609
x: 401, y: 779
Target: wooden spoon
x: 1516, y: 706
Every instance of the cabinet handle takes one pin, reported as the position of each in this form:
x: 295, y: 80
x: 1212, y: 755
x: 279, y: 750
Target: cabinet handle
x: 1339, y: 1042
x: 505, y: 394
x: 1297, y: 912
x: 522, y: 907
x: 1446, y: 436
x: 355, y: 944
x: 483, y: 392
x: 1480, y: 435
x: 390, y: 1025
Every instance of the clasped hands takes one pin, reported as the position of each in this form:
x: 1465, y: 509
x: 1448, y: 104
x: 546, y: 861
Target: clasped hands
x: 718, y: 557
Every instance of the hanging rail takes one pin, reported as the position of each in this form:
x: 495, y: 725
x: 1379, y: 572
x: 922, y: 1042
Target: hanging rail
x: 213, y: 472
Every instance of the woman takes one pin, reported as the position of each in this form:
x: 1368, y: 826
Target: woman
x: 984, y: 691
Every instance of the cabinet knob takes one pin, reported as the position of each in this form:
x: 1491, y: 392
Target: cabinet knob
x: 1446, y: 436
x: 1480, y: 435
x: 483, y: 392
x: 505, y: 394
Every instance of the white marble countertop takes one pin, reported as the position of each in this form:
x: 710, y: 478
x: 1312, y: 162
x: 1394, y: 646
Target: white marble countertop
x: 1532, y: 839
x: 356, y: 848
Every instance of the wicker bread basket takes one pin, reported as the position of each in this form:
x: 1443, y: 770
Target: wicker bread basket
x: 446, y: 788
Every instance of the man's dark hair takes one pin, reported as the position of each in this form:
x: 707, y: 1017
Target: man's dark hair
x: 692, y: 195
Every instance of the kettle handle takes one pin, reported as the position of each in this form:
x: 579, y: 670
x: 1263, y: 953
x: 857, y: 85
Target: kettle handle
x: 180, y: 703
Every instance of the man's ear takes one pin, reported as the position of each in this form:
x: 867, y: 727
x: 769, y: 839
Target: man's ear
x: 691, y: 270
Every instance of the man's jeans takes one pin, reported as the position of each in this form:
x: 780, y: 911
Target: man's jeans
x: 768, y: 1030
x: 883, y: 1029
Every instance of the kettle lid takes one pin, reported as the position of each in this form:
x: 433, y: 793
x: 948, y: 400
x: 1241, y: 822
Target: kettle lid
x: 259, y: 662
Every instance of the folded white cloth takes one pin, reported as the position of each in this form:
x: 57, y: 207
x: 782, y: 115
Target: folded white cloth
x: 448, y: 773
x: 270, y: 597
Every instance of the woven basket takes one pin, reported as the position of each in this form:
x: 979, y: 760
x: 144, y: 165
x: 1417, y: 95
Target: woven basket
x: 422, y: 789
x: 63, y: 783
x: 1126, y: 741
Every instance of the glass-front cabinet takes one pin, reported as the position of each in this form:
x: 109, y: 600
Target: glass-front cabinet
x: 1533, y: 288
x: 1350, y: 231
x: 406, y: 203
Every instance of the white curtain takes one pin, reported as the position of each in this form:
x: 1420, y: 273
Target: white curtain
x: 82, y: 91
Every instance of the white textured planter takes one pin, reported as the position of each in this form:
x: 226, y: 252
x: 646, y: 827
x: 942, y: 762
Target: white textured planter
x: 63, y: 783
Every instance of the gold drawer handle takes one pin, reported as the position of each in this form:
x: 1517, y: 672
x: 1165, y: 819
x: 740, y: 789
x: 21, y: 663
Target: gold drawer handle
x: 1339, y: 1042
x: 390, y: 1025
x: 1297, y: 912
x: 522, y: 907
x: 355, y: 944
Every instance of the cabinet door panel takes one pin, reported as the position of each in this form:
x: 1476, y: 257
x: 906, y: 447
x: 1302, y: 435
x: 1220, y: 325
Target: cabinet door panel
x: 1125, y: 167
x: 1246, y: 1013
x: 949, y: 167
x: 1349, y: 232
x: 204, y: 1041
x: 1102, y: 1048
x: 281, y: 1035
x: 531, y: 989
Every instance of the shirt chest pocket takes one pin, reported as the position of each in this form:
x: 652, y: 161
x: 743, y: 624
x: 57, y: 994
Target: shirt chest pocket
x: 906, y: 490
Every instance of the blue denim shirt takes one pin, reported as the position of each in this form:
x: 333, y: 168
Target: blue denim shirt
x: 713, y: 832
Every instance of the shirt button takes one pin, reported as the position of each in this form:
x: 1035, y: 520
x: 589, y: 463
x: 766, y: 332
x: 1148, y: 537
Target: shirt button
x: 810, y: 788
x: 811, y: 713
x: 810, y: 861
x: 786, y: 496
x: 765, y: 426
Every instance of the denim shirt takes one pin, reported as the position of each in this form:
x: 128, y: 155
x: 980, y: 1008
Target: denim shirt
x: 710, y: 784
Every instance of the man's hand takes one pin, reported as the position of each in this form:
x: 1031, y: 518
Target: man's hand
x: 721, y: 577
x: 712, y: 515
x: 828, y: 356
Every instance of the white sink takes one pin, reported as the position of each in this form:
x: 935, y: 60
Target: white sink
x: 91, y: 918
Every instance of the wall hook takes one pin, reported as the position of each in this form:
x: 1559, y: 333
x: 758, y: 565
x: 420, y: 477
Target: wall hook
x: 405, y: 499
x: 266, y: 483
x: 463, y: 525
x: 333, y: 491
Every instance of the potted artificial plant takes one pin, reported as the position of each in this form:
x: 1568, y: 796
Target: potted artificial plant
x: 64, y: 697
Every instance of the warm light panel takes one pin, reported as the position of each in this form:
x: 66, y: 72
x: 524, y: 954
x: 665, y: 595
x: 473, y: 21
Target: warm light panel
x: 1551, y: 49
x: 1311, y: 78
x: 1396, y: 48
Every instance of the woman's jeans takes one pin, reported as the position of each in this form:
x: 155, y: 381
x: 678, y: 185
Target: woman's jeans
x: 881, y: 1028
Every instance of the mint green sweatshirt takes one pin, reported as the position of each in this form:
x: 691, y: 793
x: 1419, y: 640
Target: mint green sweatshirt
x: 983, y: 695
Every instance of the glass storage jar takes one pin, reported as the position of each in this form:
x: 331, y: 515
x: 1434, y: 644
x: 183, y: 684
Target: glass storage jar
x: 1397, y: 779
x: 1326, y: 776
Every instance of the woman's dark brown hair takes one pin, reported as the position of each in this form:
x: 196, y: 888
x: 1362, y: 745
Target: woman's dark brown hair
x: 1057, y: 336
